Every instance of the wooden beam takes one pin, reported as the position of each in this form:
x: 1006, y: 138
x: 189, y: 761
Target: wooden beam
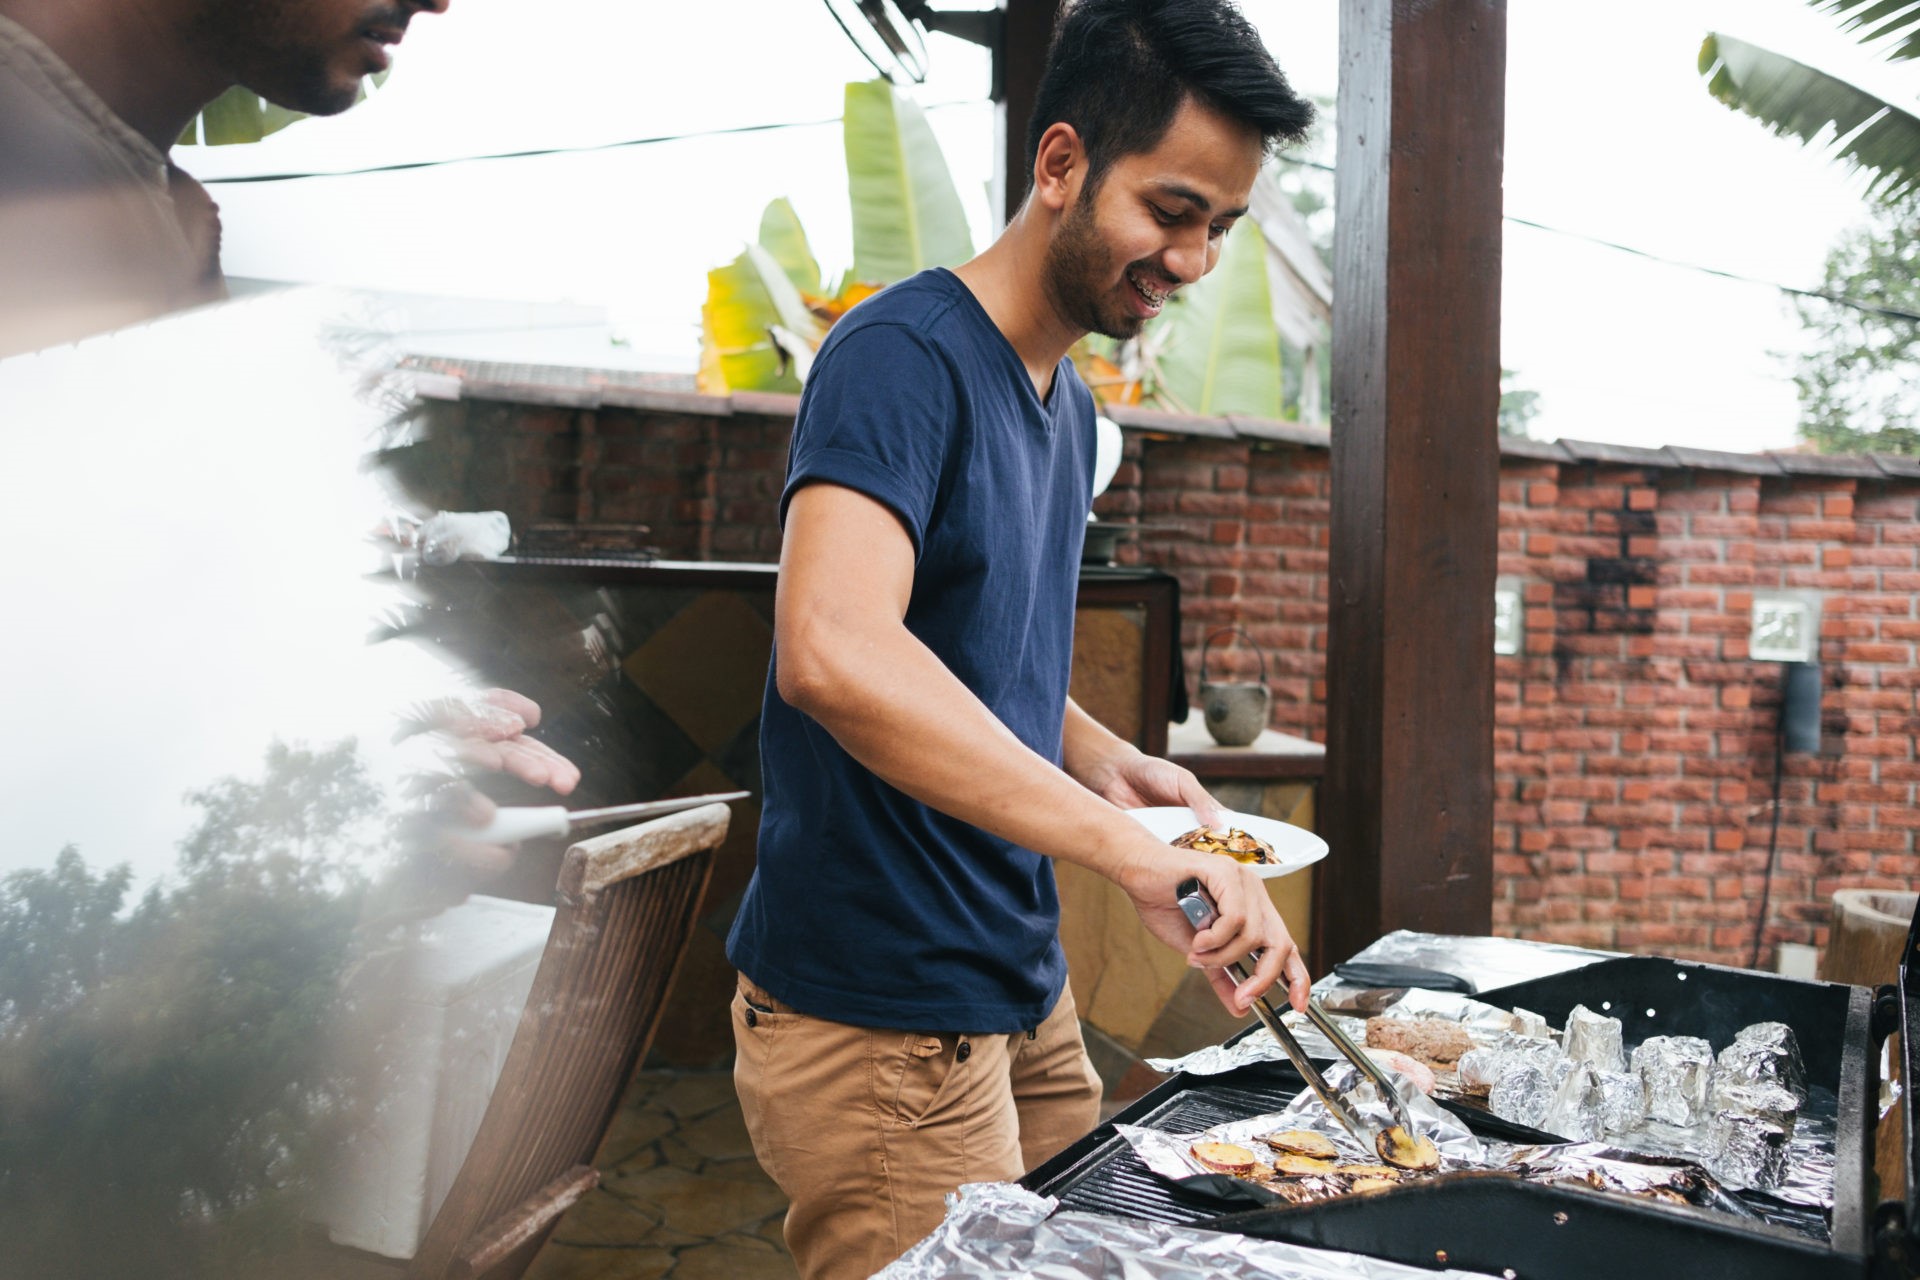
x: 1023, y: 57
x: 1416, y: 387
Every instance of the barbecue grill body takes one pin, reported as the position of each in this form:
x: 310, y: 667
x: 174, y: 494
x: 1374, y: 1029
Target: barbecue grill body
x: 1492, y: 1223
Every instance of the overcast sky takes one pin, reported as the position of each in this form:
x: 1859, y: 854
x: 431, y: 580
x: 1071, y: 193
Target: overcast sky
x: 1610, y: 133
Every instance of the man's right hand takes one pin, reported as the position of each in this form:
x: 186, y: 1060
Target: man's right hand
x: 1247, y: 922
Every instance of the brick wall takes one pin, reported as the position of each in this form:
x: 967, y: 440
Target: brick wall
x: 1634, y: 740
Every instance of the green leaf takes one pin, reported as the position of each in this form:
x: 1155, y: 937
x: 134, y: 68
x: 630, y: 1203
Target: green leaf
x: 782, y: 236
x: 240, y: 115
x: 1887, y: 19
x: 1218, y: 349
x: 906, y: 213
x: 1798, y: 101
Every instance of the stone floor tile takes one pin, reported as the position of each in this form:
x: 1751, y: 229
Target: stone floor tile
x: 719, y: 1135
x: 632, y: 1129
x: 603, y: 1218
x: 692, y: 1094
x: 701, y: 1206
x: 567, y: 1262
x: 726, y: 1260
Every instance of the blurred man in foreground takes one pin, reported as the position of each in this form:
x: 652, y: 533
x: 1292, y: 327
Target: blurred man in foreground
x: 98, y: 228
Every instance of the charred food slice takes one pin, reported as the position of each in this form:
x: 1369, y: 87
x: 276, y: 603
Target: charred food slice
x: 1302, y: 1142
x: 1405, y: 1150
x: 1224, y: 1157
x: 1233, y: 842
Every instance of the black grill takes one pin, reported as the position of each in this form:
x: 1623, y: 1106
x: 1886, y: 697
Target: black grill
x: 1495, y: 1223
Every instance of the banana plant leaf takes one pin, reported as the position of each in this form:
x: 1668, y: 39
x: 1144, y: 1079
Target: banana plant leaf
x: 747, y: 301
x: 241, y: 115
x: 906, y: 213
x: 1882, y: 20
x: 782, y: 236
x: 1798, y: 101
x: 1218, y: 351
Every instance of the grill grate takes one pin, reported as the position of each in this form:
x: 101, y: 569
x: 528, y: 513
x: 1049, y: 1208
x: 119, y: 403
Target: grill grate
x: 1114, y: 1180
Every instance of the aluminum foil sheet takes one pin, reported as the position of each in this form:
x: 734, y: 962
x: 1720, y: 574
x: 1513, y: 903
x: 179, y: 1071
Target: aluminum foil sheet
x: 1171, y: 1156
x: 1487, y: 962
x: 1765, y: 1053
x: 1593, y: 1038
x: 996, y: 1229
x: 1609, y: 1168
x: 1677, y: 1072
x: 1484, y: 1022
x: 1809, y: 1176
x: 1217, y: 1059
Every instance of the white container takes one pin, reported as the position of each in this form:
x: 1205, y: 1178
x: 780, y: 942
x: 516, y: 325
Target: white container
x: 430, y: 1020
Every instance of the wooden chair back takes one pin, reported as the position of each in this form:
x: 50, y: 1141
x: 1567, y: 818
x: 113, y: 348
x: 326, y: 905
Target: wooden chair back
x: 627, y: 904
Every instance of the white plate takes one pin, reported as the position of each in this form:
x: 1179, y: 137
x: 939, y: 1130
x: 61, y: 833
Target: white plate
x: 1293, y: 847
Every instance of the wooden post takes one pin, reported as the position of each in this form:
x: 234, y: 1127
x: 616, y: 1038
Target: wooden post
x: 1023, y: 57
x: 1408, y: 805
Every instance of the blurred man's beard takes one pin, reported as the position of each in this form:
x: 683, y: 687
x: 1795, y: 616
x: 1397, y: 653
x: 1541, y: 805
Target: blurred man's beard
x: 271, y: 52
x: 1075, y: 272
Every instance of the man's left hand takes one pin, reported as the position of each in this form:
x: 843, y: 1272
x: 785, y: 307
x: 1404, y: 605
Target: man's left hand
x: 1140, y: 781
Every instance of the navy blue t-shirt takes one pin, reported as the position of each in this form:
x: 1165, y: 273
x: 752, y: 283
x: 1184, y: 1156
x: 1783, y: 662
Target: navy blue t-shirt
x: 868, y: 907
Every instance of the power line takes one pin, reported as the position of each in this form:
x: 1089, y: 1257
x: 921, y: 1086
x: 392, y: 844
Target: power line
x: 1838, y: 300
x: 406, y: 166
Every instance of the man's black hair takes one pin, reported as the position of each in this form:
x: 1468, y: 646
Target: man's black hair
x: 1117, y: 71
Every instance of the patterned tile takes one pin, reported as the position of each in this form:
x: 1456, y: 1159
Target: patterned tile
x: 699, y: 667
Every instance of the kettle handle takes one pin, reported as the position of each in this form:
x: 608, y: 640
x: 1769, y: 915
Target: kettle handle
x: 1232, y: 631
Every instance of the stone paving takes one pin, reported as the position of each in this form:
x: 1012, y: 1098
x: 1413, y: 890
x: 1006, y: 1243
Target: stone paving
x: 680, y: 1194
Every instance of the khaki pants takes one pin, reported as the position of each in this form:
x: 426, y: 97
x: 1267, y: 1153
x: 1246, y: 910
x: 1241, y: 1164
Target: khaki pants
x: 867, y: 1131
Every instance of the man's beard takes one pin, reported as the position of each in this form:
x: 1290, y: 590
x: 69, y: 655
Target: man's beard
x: 1077, y: 262
x: 272, y: 53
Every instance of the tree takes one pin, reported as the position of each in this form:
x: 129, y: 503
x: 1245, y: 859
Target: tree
x: 1855, y: 382
x: 1859, y: 382
x: 1517, y: 407
x: 163, y: 1076
x: 1795, y: 100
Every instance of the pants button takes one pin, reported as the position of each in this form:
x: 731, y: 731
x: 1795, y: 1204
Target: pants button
x: 964, y: 1052
x: 751, y: 1020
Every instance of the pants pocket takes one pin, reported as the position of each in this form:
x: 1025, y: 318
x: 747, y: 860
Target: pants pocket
x: 919, y: 1073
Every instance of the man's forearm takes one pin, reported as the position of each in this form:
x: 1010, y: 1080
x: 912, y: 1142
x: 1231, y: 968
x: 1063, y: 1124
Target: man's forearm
x: 1090, y: 752
x: 892, y: 704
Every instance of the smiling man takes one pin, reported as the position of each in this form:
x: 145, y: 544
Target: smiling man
x: 903, y: 1023
x: 98, y: 228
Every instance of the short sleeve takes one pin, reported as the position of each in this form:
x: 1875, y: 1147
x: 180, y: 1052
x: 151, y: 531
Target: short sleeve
x: 878, y: 417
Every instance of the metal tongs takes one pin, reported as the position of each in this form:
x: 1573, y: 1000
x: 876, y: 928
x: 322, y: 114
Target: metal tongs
x: 1198, y: 907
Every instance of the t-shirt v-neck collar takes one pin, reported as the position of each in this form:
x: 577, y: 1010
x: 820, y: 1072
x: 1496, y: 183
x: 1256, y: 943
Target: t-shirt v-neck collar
x: 1047, y: 406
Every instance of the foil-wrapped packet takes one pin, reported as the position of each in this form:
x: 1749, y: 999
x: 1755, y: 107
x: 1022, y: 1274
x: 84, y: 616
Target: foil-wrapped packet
x: 1528, y: 1023
x: 1578, y: 1109
x: 1479, y: 1068
x: 1623, y: 1103
x: 1766, y: 1053
x: 1745, y: 1150
x: 1677, y: 1072
x: 1594, y: 1039
x: 1523, y: 1093
x: 1769, y: 1102
x: 1482, y: 1068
